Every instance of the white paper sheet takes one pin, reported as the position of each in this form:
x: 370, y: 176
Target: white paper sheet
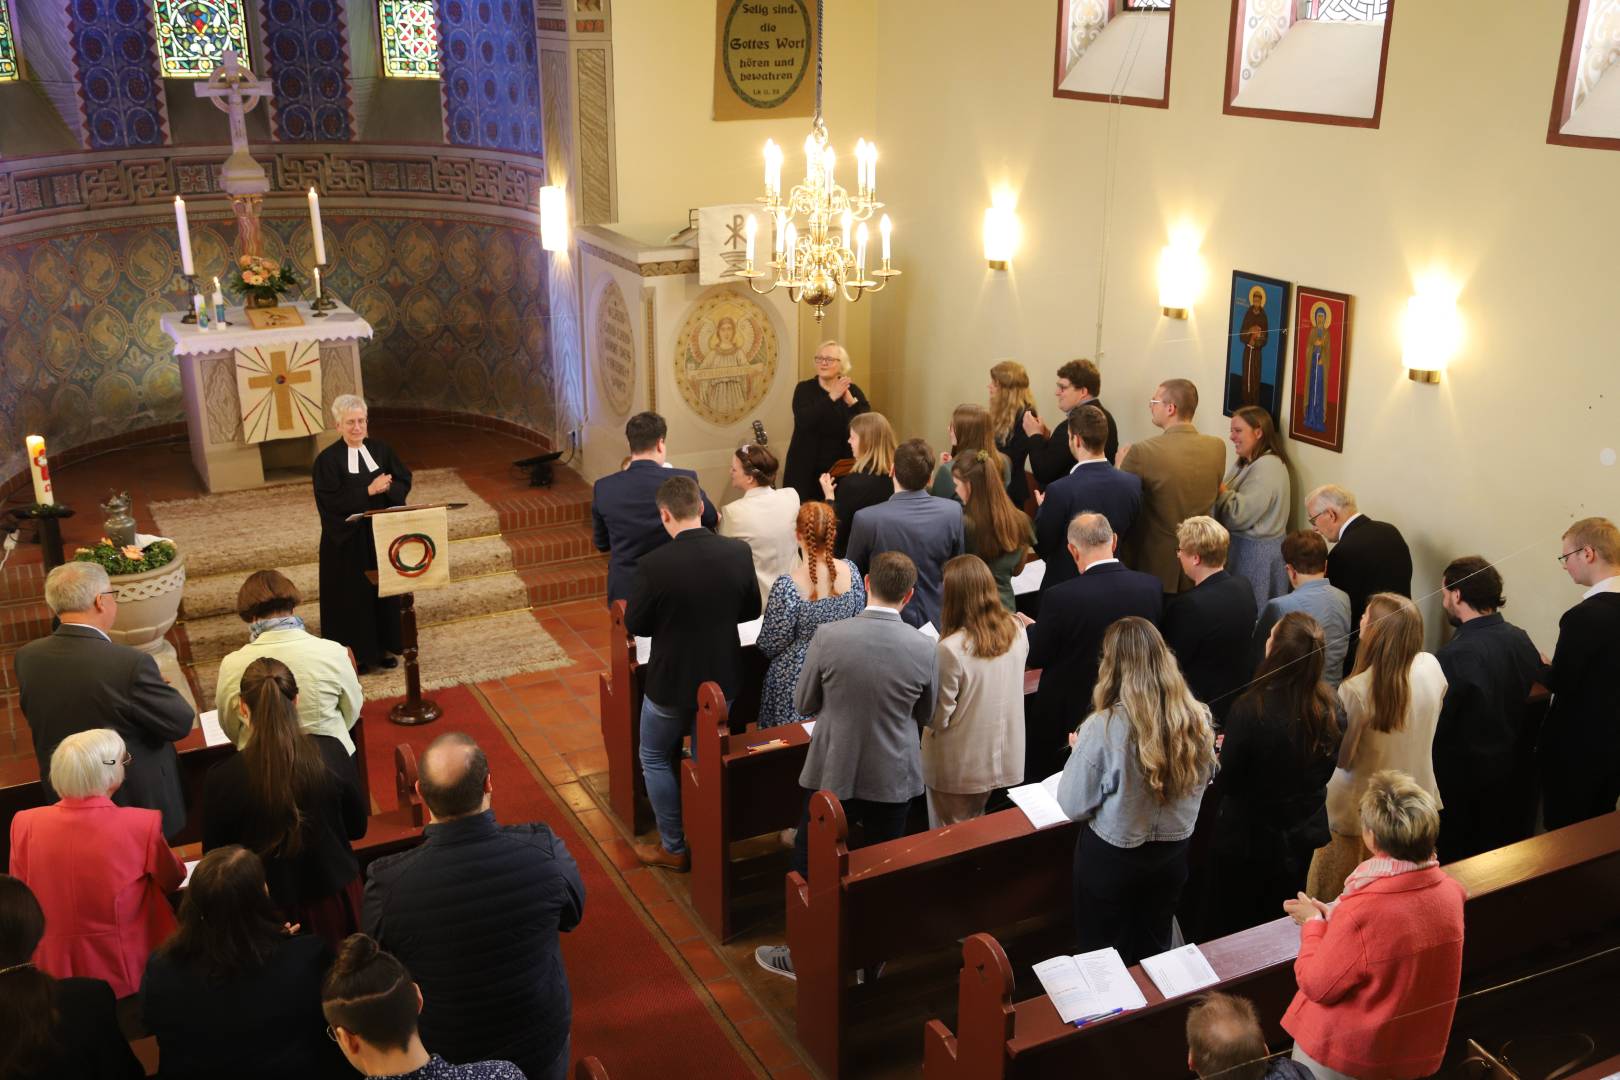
x: 747, y: 634
x: 928, y: 628
x: 1090, y: 985
x: 643, y: 649
x: 1029, y: 579
x: 1051, y: 784
x: 1180, y: 971
x: 213, y: 734
x: 191, y: 865
x: 1038, y: 804
x: 809, y: 727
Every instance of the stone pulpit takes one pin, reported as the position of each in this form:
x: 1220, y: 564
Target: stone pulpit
x: 259, y: 402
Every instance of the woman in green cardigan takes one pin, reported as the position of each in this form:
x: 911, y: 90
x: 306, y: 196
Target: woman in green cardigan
x: 995, y: 530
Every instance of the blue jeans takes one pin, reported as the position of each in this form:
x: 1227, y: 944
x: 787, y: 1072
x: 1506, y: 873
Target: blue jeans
x: 663, y: 729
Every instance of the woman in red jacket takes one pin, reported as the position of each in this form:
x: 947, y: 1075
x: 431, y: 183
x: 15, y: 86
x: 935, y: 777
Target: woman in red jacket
x: 101, y: 872
x: 1378, y: 969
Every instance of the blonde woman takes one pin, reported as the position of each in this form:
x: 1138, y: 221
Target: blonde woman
x: 970, y: 435
x: 1010, y: 402
x: 974, y: 742
x: 1392, y: 699
x: 872, y: 445
x: 823, y: 406
x: 1136, y: 776
x: 821, y: 589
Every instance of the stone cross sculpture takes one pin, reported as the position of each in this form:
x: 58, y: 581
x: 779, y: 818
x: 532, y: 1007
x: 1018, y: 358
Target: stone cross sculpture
x: 234, y: 92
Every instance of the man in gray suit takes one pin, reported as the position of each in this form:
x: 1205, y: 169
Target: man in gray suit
x: 925, y: 527
x: 77, y: 679
x: 1305, y: 555
x: 870, y: 683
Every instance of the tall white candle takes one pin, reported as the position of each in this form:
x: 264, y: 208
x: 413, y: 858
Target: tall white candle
x: 860, y: 252
x: 886, y: 228
x: 184, y: 226
x: 748, y: 233
x: 317, y: 272
x: 871, y: 168
x: 792, y: 253
x: 315, y: 226
x: 781, y: 233
x: 40, y: 470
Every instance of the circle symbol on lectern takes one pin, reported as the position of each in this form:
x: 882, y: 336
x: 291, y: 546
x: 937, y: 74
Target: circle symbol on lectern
x: 424, y: 559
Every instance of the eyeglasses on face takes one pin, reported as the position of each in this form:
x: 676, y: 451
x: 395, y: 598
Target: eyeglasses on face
x: 1152, y: 401
x: 330, y: 1034
x: 1319, y: 513
x: 828, y: 359
x: 124, y: 760
x: 1567, y: 554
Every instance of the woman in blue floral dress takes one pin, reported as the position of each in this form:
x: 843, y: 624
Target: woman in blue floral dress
x: 820, y: 590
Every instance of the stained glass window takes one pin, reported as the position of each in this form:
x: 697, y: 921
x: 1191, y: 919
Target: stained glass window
x: 410, y: 38
x: 8, y: 46
x: 1345, y: 10
x: 192, y: 35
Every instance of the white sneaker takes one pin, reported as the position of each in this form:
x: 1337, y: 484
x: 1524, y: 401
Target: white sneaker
x: 776, y: 959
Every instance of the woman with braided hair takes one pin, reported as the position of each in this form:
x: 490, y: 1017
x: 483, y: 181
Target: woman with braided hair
x: 821, y: 589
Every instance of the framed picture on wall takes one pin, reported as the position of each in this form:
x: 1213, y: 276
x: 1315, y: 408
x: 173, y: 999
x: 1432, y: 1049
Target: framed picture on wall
x: 1257, y: 343
x: 1321, y: 357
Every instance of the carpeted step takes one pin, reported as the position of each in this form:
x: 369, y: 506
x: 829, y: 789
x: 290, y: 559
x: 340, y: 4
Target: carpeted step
x: 213, y: 636
x: 216, y: 594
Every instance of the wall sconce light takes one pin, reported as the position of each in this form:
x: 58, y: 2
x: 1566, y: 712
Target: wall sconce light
x: 1001, y: 236
x: 1180, y: 274
x: 1430, y: 335
x: 553, y: 218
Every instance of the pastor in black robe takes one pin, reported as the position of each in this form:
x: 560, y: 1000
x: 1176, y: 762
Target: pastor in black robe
x: 351, y: 611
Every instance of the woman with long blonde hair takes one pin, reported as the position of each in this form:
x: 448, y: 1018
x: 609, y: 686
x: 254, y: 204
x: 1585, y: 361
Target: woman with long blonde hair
x: 1392, y: 701
x: 970, y: 435
x: 974, y: 743
x: 821, y: 589
x: 1135, y: 777
x: 994, y: 529
x: 872, y: 445
x: 1010, y: 401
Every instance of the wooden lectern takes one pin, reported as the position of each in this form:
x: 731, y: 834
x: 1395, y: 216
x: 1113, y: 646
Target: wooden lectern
x: 414, y: 709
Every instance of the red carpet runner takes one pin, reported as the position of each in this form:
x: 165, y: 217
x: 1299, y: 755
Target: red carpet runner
x: 633, y: 1007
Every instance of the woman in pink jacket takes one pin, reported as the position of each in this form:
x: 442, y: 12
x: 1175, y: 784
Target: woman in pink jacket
x: 100, y: 871
x: 1378, y: 969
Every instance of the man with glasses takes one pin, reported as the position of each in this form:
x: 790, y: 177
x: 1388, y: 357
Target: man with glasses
x: 1368, y: 556
x: 1580, y: 742
x: 1050, y: 453
x: 77, y: 679
x: 1181, y: 476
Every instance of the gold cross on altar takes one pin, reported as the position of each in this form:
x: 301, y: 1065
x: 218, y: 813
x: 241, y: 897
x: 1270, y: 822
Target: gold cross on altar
x: 280, y: 381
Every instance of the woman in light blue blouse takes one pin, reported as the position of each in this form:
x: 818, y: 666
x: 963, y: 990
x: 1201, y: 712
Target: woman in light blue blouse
x: 1135, y: 778
x: 820, y: 590
x: 1254, y: 503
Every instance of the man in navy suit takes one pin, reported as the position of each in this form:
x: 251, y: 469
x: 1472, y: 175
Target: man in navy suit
x: 1092, y: 484
x: 1368, y: 556
x: 1209, y: 626
x: 1066, y: 644
x: 624, y: 511
x: 926, y: 528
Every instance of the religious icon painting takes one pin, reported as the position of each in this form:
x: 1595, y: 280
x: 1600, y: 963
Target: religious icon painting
x: 1321, y: 354
x: 1257, y: 344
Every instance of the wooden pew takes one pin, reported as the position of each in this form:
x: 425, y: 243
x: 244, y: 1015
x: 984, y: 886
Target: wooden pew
x: 619, y: 691
x: 590, y: 1068
x: 1523, y: 900
x: 875, y: 903
x: 731, y: 791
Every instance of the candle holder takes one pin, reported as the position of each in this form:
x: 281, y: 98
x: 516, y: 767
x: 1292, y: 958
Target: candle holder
x: 322, y: 303
x: 191, y: 291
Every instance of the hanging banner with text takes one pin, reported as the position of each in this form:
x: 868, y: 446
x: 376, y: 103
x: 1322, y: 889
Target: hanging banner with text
x: 764, y: 59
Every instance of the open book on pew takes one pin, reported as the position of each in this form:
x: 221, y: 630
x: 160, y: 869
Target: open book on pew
x: 747, y: 634
x: 1039, y: 802
x: 1089, y: 986
x: 1180, y: 971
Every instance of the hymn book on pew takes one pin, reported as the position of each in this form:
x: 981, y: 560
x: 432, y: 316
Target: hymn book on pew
x: 1039, y: 803
x: 1089, y: 986
x: 1180, y: 971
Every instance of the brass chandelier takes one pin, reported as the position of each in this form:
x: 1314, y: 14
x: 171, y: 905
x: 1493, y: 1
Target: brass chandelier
x: 819, y: 252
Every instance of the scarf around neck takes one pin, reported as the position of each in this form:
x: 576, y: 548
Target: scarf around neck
x: 275, y: 622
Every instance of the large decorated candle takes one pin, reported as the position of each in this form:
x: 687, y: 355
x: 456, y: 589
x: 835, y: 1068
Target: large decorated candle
x: 315, y: 227
x: 40, y: 470
x: 184, y: 227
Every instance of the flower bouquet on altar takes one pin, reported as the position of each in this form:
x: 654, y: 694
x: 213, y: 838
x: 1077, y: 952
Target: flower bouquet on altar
x: 129, y: 559
x: 261, y: 281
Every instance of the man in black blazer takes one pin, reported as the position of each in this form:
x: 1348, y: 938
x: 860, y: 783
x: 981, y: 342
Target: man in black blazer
x: 1208, y: 627
x: 1368, y: 556
x: 1580, y: 741
x: 1092, y: 484
x: 624, y: 516
x: 688, y: 597
x: 473, y: 913
x: 1066, y: 644
x: 926, y: 528
x: 1050, y: 454
x: 77, y: 679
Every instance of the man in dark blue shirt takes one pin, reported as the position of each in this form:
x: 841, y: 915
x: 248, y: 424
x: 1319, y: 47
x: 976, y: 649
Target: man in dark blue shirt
x: 624, y: 513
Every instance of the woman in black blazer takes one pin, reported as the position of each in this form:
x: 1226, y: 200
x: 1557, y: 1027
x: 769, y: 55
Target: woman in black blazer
x: 823, y: 406
x: 872, y: 444
x: 1280, y: 745
x: 52, y: 1028
x: 295, y: 800
x: 236, y: 991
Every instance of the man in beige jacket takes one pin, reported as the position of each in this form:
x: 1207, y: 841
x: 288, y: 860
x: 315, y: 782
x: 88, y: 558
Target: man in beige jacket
x: 1181, y: 475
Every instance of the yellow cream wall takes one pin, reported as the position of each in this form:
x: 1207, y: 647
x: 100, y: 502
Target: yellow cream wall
x: 1497, y: 459
x: 672, y: 156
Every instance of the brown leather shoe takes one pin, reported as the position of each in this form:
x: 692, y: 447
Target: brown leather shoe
x: 655, y: 855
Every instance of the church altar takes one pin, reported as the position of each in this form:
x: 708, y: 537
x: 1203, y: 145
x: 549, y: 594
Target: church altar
x: 259, y: 402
